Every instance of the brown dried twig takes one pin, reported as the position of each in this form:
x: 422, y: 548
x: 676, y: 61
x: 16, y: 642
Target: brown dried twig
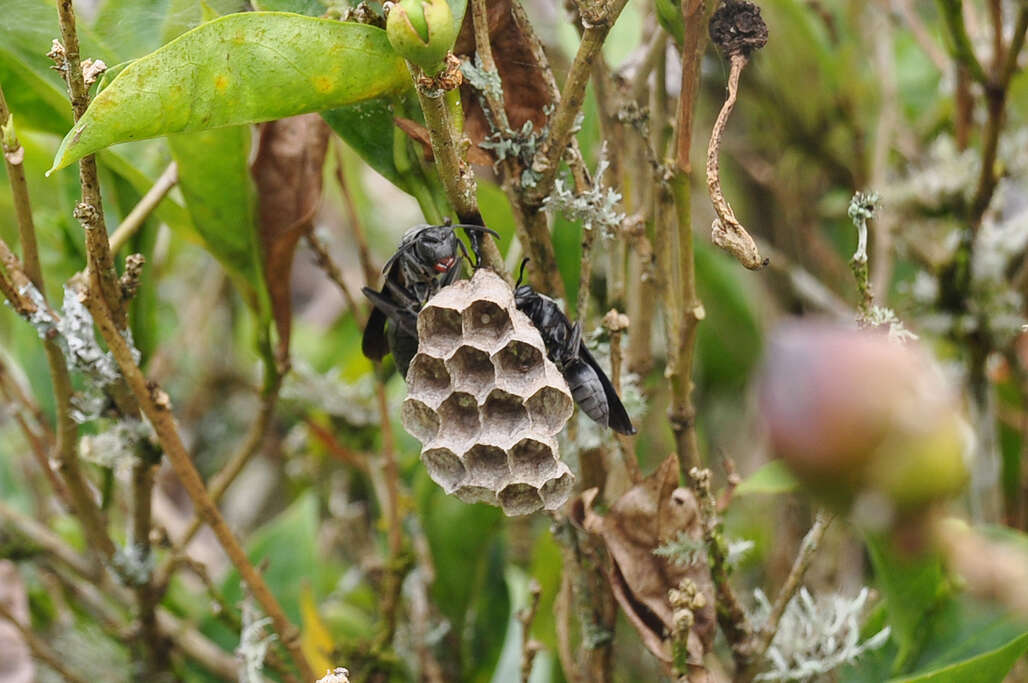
x: 737, y: 29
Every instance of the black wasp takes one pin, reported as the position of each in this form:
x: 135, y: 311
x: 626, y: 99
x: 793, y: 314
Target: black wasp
x: 589, y: 385
x: 426, y: 261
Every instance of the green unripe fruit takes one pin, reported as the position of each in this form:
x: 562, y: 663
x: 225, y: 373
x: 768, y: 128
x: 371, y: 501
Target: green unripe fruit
x: 422, y: 32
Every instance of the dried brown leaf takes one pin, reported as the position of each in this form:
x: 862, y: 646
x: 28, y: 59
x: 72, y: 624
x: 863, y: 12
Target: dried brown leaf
x: 419, y: 133
x: 524, y: 92
x: 650, y: 514
x: 288, y: 174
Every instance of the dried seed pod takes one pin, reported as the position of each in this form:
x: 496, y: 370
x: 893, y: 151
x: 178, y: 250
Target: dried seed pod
x: 485, y: 401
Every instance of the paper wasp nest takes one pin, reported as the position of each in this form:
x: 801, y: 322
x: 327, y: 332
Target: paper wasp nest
x: 485, y: 401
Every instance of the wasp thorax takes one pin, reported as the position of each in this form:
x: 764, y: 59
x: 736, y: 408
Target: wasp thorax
x: 485, y: 401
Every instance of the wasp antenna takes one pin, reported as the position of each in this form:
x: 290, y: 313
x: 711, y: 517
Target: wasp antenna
x: 521, y: 273
x: 476, y: 228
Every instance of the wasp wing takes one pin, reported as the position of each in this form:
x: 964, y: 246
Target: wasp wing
x: 618, y: 419
x: 374, y: 343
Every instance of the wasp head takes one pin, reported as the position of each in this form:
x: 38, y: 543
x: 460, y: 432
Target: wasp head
x: 436, y: 247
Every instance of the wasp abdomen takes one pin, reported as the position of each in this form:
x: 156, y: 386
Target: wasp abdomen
x: 587, y: 390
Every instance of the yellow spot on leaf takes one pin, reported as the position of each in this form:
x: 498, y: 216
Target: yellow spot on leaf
x: 323, y: 83
x: 221, y: 83
x: 315, y: 639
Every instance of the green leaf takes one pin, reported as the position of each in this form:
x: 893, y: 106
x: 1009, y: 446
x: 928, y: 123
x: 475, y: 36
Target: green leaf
x: 367, y: 127
x: 215, y: 180
x: 772, y: 477
x: 241, y: 68
x: 289, y: 544
x: 914, y: 588
x: 460, y: 537
x: 310, y: 8
x: 669, y: 14
x: 989, y: 667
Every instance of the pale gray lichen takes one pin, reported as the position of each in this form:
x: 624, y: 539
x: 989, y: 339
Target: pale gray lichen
x: 880, y: 316
x: 134, y: 564
x: 815, y: 637
x: 73, y: 334
x: 598, y: 206
x: 683, y: 550
x: 945, y: 176
x: 337, y: 675
x: 1000, y: 244
x: 116, y: 447
x: 352, y: 401
x: 861, y: 210
x: 253, y: 643
x: 480, y: 78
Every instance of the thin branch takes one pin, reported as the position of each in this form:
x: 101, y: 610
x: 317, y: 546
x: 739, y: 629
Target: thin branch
x: 996, y: 92
x: 327, y: 264
x: 157, y: 407
x: 563, y: 120
x: 40, y: 648
x: 763, y: 638
x: 960, y: 43
x: 220, y: 482
x: 454, y: 172
x: 529, y: 646
x: 103, y: 279
x: 141, y: 211
x: 673, y: 216
x: 727, y: 232
x: 921, y: 34
x: 14, y: 154
x: 731, y: 616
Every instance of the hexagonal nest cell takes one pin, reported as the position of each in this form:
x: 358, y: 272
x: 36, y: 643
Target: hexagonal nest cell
x: 505, y: 414
x: 521, y: 360
x: 420, y: 420
x: 533, y: 461
x: 487, y: 322
x: 487, y: 466
x: 444, y: 467
x: 472, y: 370
x: 550, y: 409
x: 482, y: 387
x: 458, y: 417
x: 428, y: 379
x: 519, y: 499
x: 439, y: 330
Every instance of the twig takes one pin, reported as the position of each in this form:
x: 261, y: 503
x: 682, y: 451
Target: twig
x: 103, y: 279
x: 529, y: 646
x: 236, y: 463
x: 861, y: 209
x: 921, y: 34
x: 731, y: 616
x: 141, y: 211
x: 327, y: 264
x: 157, y: 407
x: 996, y: 92
x: 763, y: 638
x: 674, y: 245
x: 14, y: 154
x: 40, y: 649
x: 960, y: 42
x: 738, y: 29
x: 371, y: 273
x: 484, y: 52
x: 616, y: 323
x: 454, y: 172
x: 562, y: 122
